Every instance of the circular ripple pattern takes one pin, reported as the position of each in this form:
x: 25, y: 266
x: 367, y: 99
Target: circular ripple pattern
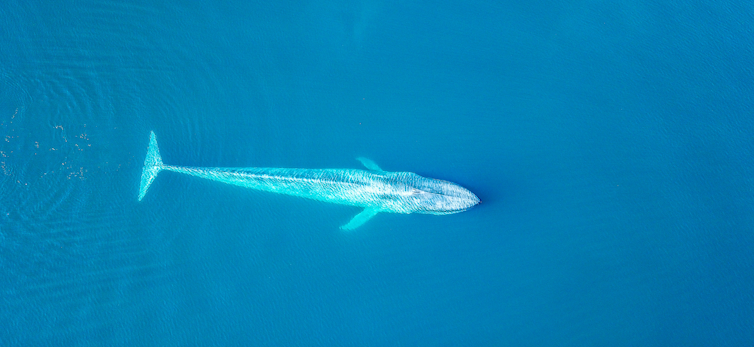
x: 72, y: 97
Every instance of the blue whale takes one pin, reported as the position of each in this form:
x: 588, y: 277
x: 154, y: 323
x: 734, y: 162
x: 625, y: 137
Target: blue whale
x: 374, y: 189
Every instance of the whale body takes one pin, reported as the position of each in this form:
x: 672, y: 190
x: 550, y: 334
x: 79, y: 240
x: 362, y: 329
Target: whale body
x: 374, y: 189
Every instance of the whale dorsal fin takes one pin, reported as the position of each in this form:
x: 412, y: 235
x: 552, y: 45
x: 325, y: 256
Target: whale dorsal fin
x: 369, y: 164
x: 360, y: 218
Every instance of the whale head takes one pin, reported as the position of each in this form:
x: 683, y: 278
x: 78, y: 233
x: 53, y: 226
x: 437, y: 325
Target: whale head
x: 435, y: 196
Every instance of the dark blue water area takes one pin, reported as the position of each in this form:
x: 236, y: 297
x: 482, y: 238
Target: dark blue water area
x: 611, y: 144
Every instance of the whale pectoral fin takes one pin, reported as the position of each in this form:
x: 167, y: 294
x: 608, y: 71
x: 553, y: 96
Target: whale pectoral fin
x: 360, y: 218
x: 369, y: 164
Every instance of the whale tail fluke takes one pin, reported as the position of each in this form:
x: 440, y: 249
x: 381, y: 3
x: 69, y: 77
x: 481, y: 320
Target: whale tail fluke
x: 152, y: 166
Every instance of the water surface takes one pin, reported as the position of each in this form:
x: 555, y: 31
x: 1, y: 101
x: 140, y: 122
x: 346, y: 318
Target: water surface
x: 610, y: 142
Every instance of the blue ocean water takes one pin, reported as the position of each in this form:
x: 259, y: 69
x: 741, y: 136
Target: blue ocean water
x: 610, y: 142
